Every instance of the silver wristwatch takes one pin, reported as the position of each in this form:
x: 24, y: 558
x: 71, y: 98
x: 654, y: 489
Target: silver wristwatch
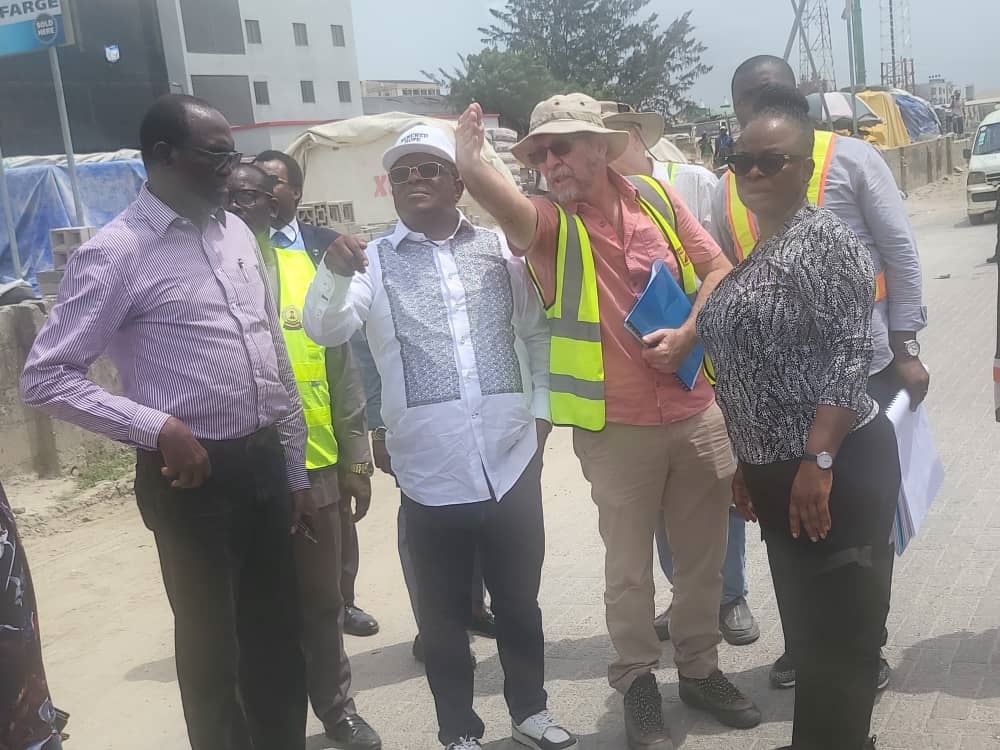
x: 912, y: 348
x: 823, y: 459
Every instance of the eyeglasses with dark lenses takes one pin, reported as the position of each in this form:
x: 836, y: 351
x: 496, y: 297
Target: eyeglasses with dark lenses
x: 247, y: 198
x: 559, y: 149
x: 767, y: 164
x: 429, y: 170
x: 219, y: 160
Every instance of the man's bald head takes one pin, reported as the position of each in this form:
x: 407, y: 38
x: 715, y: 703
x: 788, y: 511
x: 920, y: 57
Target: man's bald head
x: 754, y: 75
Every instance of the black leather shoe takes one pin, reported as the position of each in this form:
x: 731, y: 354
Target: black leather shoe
x: 353, y: 733
x: 358, y: 622
x: 661, y: 623
x: 737, y: 623
x: 721, y: 698
x: 483, y: 623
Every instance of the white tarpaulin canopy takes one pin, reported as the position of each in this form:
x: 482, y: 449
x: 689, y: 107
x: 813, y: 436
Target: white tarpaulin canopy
x: 343, y: 162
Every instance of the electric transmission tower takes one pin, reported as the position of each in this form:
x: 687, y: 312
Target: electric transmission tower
x: 816, y: 46
x: 897, y: 45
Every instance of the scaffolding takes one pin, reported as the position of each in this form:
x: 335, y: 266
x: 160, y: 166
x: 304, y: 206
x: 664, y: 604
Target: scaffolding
x: 897, y: 45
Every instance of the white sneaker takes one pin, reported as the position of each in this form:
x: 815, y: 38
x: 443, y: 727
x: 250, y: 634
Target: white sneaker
x: 465, y: 743
x: 542, y: 733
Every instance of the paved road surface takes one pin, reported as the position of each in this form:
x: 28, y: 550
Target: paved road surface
x: 108, y: 635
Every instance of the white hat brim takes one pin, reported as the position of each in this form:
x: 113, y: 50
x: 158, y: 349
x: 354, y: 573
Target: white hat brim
x: 617, y: 140
x: 652, y: 125
x: 394, y: 154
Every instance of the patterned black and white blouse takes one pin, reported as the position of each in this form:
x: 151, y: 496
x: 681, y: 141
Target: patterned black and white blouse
x: 788, y: 330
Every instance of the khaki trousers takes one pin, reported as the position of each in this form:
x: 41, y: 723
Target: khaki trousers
x: 683, y: 470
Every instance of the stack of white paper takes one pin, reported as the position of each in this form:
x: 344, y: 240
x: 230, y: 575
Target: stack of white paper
x: 922, y: 470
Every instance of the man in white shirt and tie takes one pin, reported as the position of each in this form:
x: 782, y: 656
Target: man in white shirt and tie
x: 288, y: 232
x: 462, y: 347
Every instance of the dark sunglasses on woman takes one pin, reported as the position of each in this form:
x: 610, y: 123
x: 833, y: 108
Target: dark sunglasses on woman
x: 767, y: 164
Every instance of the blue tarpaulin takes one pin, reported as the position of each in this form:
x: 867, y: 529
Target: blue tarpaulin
x: 41, y: 200
x: 918, y: 116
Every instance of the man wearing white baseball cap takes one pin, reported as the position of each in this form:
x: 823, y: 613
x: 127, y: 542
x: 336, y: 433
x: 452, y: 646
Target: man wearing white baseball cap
x: 647, y: 444
x: 461, y: 344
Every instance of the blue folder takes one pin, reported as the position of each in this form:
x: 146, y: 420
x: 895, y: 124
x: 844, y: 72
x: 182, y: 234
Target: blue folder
x: 663, y: 304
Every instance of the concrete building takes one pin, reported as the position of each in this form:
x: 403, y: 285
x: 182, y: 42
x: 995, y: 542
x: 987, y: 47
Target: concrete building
x: 273, y: 68
x: 400, y: 88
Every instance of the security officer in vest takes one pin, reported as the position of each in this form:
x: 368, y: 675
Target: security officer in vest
x: 696, y: 186
x: 853, y: 181
x: 333, y: 402
x: 646, y: 444
x: 288, y: 231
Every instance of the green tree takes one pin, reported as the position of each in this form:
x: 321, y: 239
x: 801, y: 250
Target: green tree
x: 508, y: 83
x: 604, y: 45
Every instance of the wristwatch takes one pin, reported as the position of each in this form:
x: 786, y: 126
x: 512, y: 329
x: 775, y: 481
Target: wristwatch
x: 379, y: 433
x: 365, y: 469
x: 823, y: 459
x: 912, y: 348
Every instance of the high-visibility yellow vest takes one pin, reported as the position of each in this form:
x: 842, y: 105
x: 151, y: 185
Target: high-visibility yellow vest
x: 671, y: 171
x: 308, y: 359
x: 576, y: 362
x: 743, y: 224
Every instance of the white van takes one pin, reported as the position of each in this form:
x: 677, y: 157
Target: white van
x: 984, y: 169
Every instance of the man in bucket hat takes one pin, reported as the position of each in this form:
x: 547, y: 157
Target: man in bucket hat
x: 646, y: 443
x: 696, y: 185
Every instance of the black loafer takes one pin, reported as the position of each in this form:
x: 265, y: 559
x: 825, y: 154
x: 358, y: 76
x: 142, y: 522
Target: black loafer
x: 737, y: 623
x: 358, y: 622
x: 353, y: 733
x: 483, y: 623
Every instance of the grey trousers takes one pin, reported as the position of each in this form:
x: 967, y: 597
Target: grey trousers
x: 328, y: 670
x: 477, y: 593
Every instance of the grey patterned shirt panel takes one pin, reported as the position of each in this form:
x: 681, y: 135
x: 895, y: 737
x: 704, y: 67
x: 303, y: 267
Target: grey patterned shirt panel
x: 789, y: 330
x: 422, y: 320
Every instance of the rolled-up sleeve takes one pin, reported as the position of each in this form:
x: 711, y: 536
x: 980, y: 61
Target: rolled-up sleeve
x: 835, y: 278
x: 885, y: 214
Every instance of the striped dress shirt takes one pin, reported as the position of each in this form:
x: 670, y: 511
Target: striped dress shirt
x: 188, y: 320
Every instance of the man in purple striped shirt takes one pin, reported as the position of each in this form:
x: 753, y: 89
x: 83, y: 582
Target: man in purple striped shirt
x: 173, y: 291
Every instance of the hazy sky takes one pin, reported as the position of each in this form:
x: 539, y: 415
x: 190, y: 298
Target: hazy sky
x: 953, y: 38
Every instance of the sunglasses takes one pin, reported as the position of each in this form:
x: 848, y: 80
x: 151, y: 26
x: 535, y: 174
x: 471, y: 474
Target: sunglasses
x: 429, y: 170
x: 559, y: 148
x: 247, y: 198
x: 219, y: 160
x: 767, y: 164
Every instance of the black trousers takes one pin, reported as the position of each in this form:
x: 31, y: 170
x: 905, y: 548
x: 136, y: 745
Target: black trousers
x: 229, y: 572
x: 833, y: 596
x: 510, y: 536
x: 350, y: 552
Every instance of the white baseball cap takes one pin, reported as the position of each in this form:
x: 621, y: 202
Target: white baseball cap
x: 420, y: 139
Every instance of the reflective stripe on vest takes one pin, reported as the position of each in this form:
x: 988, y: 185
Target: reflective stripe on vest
x: 308, y: 359
x: 576, y: 360
x: 743, y: 225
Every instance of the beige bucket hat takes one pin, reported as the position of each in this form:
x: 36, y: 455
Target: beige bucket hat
x: 568, y: 114
x: 621, y: 116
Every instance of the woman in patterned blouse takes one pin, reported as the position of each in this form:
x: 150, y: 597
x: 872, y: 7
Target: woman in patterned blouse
x: 789, y: 333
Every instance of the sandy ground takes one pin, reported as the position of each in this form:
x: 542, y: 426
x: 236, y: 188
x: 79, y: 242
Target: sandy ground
x: 108, y: 635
